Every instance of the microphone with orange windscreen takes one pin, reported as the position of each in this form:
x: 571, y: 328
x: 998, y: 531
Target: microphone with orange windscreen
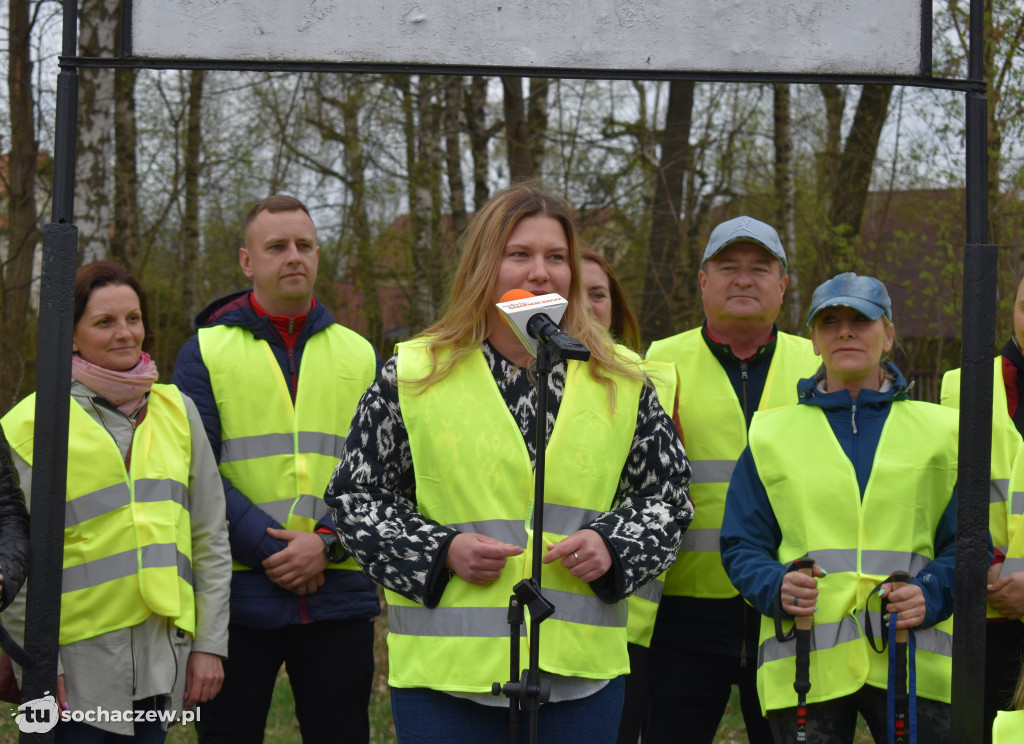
x: 535, y: 319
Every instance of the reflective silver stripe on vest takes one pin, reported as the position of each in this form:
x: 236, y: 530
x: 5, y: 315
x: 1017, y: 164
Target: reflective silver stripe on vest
x: 565, y: 520
x: 511, y: 531
x: 933, y: 640
x: 268, y: 445
x: 165, y: 555
x: 1012, y: 564
x: 881, y: 562
x: 652, y: 591
x: 124, y: 564
x: 185, y: 568
x: 466, y: 622
x: 91, y: 505
x: 700, y: 541
x: 261, y: 445
x: 586, y: 609
x: 94, y: 504
x: 149, y: 490
x: 492, y: 622
x: 884, y: 562
x: 823, y: 636
x: 835, y: 561
x: 997, y: 490
x: 830, y: 635
x: 277, y: 510
x: 308, y: 506
x: 1017, y: 504
x: 711, y: 471
x: 315, y: 442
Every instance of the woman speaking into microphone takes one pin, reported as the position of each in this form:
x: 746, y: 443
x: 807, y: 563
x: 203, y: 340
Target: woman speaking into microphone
x: 433, y: 495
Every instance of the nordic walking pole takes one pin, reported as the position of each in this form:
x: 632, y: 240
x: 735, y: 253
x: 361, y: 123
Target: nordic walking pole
x: 802, y: 684
x: 898, y: 699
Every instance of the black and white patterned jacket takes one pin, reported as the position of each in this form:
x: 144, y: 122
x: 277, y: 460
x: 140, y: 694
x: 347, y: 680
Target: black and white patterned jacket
x: 373, y: 499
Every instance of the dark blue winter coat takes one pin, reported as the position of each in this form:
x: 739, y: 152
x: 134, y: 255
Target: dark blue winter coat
x: 257, y: 602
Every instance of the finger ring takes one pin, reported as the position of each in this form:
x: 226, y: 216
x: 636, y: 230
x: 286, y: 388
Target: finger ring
x: 576, y: 557
x: 796, y: 601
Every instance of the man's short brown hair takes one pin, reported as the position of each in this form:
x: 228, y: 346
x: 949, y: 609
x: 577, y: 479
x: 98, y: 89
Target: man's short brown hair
x: 276, y: 203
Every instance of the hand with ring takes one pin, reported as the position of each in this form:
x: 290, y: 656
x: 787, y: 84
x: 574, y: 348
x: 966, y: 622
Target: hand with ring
x: 799, y: 592
x: 584, y: 553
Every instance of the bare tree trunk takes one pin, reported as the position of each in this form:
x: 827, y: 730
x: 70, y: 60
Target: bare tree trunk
x: 124, y: 245
x: 479, y: 137
x: 93, y: 213
x: 845, y: 174
x: 358, y: 217
x: 22, y: 234
x: 537, y: 123
x: 995, y: 79
x: 526, y: 122
x: 663, y: 290
x: 429, y: 189
x: 422, y: 131
x: 835, y: 102
x: 785, y: 216
x: 858, y: 158
x: 520, y: 162
x: 453, y: 105
x: 190, y: 220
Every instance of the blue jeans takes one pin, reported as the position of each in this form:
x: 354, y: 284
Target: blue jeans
x: 425, y: 716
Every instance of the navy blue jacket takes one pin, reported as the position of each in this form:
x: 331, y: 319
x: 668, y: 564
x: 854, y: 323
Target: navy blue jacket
x: 256, y: 601
x: 750, y: 532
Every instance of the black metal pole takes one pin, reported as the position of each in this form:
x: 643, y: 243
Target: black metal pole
x: 979, y: 301
x: 533, y: 670
x: 49, y: 467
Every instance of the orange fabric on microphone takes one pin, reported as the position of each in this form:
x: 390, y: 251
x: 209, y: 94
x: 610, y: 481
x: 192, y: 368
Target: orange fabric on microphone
x: 514, y: 294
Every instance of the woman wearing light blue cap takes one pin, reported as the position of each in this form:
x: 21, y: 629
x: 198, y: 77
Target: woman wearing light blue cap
x: 861, y: 480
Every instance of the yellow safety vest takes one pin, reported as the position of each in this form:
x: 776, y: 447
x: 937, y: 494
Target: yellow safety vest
x: 643, y: 605
x: 813, y: 490
x: 1008, y: 728
x: 473, y: 472
x: 127, y: 535
x: 715, y: 433
x: 278, y: 453
x: 1004, y: 506
x: 1015, y: 550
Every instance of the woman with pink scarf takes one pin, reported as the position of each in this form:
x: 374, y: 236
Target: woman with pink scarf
x: 144, y: 603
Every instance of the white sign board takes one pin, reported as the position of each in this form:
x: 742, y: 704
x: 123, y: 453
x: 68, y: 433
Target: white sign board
x: 872, y: 37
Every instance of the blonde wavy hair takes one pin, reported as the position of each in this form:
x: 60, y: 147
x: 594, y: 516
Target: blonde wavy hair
x: 464, y: 324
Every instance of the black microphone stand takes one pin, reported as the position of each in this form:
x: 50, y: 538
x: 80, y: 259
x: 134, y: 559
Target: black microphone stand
x: 530, y: 691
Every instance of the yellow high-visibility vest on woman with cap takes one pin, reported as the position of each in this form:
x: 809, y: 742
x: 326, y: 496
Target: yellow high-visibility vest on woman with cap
x: 473, y: 472
x: 127, y: 535
x: 813, y: 490
x: 281, y: 453
x: 714, y: 434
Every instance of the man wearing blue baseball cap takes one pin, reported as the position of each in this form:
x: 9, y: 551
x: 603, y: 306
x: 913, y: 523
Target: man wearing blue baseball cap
x: 705, y: 636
